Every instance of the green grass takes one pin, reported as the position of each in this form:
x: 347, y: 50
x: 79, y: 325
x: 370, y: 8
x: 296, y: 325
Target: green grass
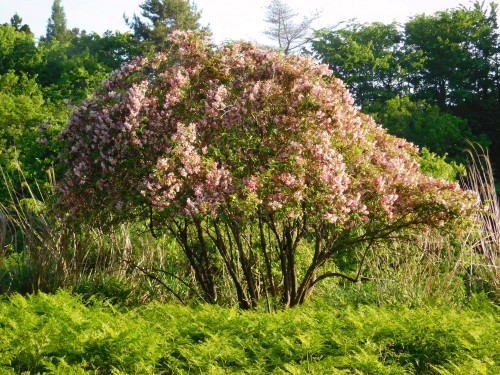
x: 60, y: 334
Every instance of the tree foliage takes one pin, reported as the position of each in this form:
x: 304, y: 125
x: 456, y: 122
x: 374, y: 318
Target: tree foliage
x: 18, y: 51
x: 257, y: 162
x: 22, y: 110
x: 449, y: 60
x: 460, y: 71
x: 73, y: 70
x: 21, y: 104
x: 56, y: 25
x: 425, y: 125
x: 17, y: 22
x: 368, y: 57
x: 459, y: 46
x: 162, y: 17
x: 437, y: 166
x: 37, y: 80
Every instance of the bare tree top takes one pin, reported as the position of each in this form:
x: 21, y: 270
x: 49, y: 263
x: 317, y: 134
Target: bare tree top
x: 285, y: 26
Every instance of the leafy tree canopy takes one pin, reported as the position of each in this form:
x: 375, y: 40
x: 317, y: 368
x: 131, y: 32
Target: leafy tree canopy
x: 22, y: 109
x: 425, y: 125
x: 459, y: 46
x: 368, y: 57
x: 449, y: 60
x: 437, y: 166
x: 18, y: 51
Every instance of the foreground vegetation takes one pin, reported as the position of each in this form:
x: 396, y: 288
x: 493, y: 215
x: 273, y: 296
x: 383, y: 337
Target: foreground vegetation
x: 58, y: 333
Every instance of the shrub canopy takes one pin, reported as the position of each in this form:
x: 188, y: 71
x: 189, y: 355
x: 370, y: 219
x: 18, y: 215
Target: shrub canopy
x: 238, y: 136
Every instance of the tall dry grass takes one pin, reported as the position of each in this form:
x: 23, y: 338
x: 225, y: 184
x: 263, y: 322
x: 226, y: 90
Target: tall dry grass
x: 484, y: 262
x: 426, y: 268
x: 39, y: 252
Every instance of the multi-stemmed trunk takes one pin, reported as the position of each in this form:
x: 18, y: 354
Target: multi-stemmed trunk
x: 253, y: 252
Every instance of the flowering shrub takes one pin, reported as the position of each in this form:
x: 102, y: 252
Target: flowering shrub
x: 246, y: 154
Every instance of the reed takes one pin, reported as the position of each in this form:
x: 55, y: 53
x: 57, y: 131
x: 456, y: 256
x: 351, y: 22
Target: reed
x: 40, y: 252
x: 484, y: 262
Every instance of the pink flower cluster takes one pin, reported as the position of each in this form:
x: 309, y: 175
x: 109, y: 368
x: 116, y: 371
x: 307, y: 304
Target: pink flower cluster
x: 206, y: 130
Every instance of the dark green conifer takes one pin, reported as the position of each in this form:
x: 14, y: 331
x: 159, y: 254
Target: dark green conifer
x: 56, y: 25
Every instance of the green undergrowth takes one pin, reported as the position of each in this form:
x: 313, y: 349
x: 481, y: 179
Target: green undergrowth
x: 61, y: 334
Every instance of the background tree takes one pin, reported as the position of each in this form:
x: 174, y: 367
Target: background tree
x: 284, y: 28
x: 38, y: 81
x: 162, y: 17
x: 73, y: 70
x: 22, y: 110
x: 426, y: 126
x: 255, y: 161
x: 368, y: 57
x: 18, y: 51
x: 460, y: 70
x: 17, y: 22
x: 459, y: 46
x: 56, y: 25
x: 449, y: 60
x: 437, y: 166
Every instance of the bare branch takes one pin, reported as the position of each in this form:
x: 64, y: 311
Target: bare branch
x: 284, y: 27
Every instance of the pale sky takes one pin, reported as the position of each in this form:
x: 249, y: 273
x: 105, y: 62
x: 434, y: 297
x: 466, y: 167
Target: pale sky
x: 228, y: 19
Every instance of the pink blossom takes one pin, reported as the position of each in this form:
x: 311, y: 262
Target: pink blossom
x: 236, y: 127
x: 42, y: 140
